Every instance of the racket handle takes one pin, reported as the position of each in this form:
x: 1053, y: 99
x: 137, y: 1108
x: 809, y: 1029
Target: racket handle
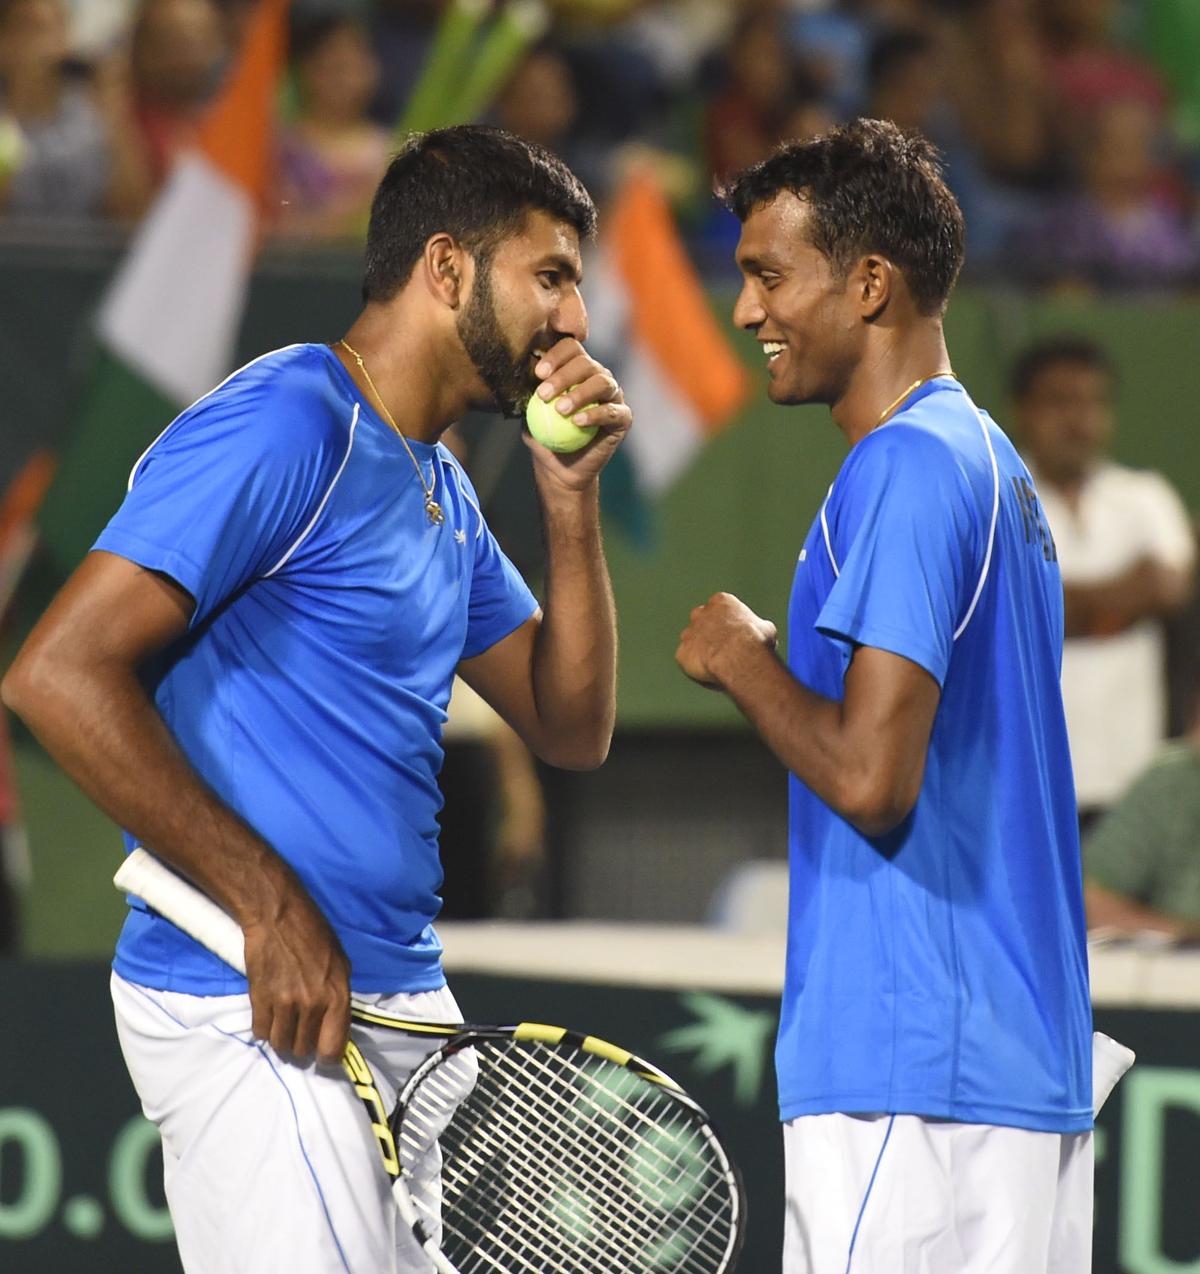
x: 185, y: 906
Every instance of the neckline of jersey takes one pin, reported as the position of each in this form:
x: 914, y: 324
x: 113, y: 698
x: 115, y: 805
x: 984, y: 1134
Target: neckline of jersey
x: 935, y: 385
x: 426, y: 450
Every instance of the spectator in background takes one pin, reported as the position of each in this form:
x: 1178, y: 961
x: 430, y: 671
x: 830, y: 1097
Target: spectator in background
x: 1126, y: 552
x: 907, y: 84
x: 745, y: 121
x: 1087, y: 69
x: 995, y: 60
x: 540, y: 101
x: 835, y: 42
x: 1141, y: 861
x: 69, y: 146
x: 1122, y: 231
x: 401, y: 34
x: 333, y: 154
x: 179, y: 49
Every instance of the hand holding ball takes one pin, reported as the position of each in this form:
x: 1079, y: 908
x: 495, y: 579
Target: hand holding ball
x: 554, y: 430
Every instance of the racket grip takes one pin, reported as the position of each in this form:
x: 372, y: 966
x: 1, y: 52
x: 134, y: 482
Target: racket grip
x: 185, y: 906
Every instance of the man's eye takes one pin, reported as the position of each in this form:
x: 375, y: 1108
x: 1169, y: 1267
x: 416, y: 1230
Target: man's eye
x: 768, y: 280
x: 549, y: 278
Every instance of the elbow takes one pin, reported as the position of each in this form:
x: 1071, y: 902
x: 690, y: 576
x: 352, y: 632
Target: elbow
x: 29, y: 683
x: 876, y: 805
x: 17, y: 687
x: 584, y: 753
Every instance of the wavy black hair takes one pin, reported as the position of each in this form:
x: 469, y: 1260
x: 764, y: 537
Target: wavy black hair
x: 871, y: 187
x: 473, y: 182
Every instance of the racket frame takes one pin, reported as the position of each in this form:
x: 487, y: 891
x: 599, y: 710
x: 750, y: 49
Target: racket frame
x: 191, y: 910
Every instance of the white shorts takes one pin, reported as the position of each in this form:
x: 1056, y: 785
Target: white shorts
x: 898, y: 1194
x: 271, y: 1167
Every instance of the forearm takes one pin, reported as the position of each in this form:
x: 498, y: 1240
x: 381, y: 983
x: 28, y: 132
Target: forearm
x: 811, y: 738
x: 100, y: 726
x: 1144, y: 591
x: 575, y: 654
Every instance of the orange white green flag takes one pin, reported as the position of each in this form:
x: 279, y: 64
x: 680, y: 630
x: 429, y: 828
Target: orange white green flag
x: 167, y: 326
x: 650, y: 318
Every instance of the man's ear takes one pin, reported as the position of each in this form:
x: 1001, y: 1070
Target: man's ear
x: 445, y: 269
x: 873, y: 282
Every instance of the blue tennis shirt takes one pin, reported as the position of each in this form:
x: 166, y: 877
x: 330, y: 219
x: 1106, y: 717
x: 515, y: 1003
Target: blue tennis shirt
x: 941, y: 970
x: 311, y: 687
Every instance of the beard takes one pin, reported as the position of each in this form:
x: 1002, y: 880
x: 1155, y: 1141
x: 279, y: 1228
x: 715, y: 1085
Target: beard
x: 508, y: 377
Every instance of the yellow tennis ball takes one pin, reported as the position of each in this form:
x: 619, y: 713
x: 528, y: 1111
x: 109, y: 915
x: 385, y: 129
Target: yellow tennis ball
x: 554, y: 430
x: 12, y: 146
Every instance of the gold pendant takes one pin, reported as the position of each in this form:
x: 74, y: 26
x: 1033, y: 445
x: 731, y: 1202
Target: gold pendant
x: 433, y: 511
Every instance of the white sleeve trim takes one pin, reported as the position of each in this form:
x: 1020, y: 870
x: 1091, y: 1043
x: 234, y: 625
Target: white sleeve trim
x: 137, y: 464
x: 825, y: 531
x: 466, y: 495
x: 324, y: 500
x: 987, y: 560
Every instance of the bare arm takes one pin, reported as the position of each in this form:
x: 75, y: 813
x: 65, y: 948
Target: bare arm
x: 864, y: 757
x: 1107, y: 909
x: 520, y: 838
x: 1148, y: 588
x: 554, y: 680
x: 76, y: 685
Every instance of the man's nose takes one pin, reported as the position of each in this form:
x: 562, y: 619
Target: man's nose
x: 570, y: 318
x: 748, y: 312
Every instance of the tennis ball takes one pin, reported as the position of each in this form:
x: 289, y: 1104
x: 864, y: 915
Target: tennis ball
x: 554, y: 430
x: 12, y: 146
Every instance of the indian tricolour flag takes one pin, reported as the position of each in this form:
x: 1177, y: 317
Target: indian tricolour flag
x: 167, y: 326
x: 651, y: 319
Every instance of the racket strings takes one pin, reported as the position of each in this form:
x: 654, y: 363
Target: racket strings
x: 558, y: 1160
x: 573, y: 1198
x: 664, y: 1121
x: 494, y: 1177
x: 534, y: 1105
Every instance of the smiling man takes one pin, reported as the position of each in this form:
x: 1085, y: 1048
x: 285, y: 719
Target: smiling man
x: 250, y: 673
x: 934, y: 1053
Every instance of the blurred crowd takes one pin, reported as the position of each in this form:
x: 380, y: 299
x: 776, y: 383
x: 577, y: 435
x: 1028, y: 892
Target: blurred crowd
x: 1070, y: 128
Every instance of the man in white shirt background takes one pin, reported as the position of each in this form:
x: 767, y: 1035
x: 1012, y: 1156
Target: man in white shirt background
x: 1126, y: 551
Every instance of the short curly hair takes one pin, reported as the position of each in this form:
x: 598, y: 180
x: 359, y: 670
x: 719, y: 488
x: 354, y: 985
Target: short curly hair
x: 474, y: 182
x: 871, y: 187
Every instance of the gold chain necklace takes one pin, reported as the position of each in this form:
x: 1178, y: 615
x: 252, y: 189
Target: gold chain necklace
x: 433, y: 510
x: 924, y: 380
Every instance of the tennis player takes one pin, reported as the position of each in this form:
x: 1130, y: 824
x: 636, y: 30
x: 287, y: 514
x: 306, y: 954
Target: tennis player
x: 934, y: 1053
x: 251, y: 669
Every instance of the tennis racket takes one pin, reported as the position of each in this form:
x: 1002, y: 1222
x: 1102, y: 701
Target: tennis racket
x: 560, y: 1153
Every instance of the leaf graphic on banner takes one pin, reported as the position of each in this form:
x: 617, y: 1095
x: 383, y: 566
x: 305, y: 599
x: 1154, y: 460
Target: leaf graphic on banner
x: 725, y: 1034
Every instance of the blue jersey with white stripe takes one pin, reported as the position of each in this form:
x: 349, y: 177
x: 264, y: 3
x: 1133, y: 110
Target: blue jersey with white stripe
x: 311, y: 687
x: 941, y: 970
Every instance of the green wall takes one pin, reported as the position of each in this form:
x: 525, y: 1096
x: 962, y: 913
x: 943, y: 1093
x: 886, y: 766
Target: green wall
x: 735, y: 521
x: 738, y: 517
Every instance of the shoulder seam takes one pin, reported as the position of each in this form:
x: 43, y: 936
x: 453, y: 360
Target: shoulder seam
x: 137, y: 464
x: 987, y: 559
x: 466, y: 495
x: 825, y: 531
x: 324, y: 501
